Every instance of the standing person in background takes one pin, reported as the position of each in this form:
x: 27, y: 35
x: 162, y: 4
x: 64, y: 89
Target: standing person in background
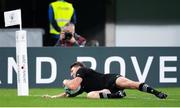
x: 69, y: 38
x: 60, y: 13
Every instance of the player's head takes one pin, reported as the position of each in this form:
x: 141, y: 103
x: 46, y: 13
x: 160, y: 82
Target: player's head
x: 76, y: 64
x: 74, y: 68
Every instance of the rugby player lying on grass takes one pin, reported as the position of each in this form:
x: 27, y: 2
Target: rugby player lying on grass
x: 98, y: 85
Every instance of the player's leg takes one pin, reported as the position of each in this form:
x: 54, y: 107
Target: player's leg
x: 146, y: 88
x: 123, y: 82
x: 95, y: 94
x: 105, y: 94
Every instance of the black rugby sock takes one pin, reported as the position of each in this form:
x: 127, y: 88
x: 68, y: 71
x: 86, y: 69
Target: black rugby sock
x: 119, y: 94
x: 146, y: 88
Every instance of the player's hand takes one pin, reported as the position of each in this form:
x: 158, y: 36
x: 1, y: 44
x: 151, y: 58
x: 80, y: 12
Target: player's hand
x: 47, y: 96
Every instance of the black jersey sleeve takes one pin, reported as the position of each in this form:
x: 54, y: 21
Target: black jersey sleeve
x: 81, y: 72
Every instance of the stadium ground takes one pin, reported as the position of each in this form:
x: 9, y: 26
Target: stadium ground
x: 9, y: 98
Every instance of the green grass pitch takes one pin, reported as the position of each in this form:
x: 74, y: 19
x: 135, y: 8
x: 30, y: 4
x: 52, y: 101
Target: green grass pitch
x: 9, y: 98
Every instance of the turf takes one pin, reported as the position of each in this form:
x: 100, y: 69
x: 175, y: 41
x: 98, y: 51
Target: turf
x: 9, y: 98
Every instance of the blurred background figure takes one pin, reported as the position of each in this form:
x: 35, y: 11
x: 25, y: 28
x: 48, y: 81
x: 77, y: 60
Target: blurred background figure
x: 93, y: 43
x: 60, y: 13
x: 69, y: 38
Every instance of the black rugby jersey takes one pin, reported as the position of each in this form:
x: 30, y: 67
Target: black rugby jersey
x: 93, y: 81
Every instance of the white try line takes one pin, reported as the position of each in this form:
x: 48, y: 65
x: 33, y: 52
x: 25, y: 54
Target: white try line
x: 147, y: 98
x: 155, y: 98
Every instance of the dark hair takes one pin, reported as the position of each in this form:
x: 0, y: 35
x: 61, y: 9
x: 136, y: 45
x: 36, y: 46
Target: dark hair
x: 78, y: 64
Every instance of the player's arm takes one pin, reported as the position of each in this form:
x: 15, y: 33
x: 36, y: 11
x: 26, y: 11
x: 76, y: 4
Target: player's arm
x: 73, y: 84
x: 61, y: 95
